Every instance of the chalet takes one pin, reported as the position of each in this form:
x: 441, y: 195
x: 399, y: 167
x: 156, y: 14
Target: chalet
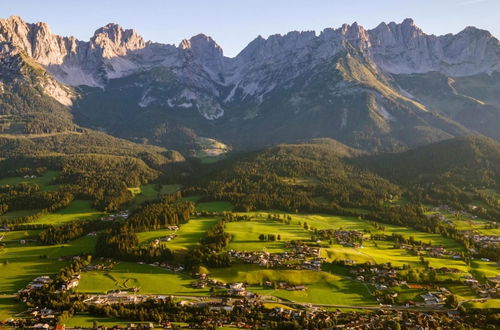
x: 430, y: 299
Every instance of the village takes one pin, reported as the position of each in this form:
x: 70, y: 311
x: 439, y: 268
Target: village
x: 300, y: 256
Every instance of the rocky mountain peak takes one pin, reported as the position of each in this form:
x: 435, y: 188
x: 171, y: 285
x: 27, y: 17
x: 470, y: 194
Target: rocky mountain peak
x: 116, y: 41
x: 201, y: 45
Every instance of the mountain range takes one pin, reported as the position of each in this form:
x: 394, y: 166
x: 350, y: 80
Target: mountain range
x: 384, y: 89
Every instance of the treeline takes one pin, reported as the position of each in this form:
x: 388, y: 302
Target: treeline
x: 160, y: 214
x: 210, y: 252
x: 29, y: 197
x: 104, y: 179
x: 216, y: 238
x: 308, y: 178
x: 123, y: 244
x: 121, y: 241
x: 454, y: 172
x: 70, y: 231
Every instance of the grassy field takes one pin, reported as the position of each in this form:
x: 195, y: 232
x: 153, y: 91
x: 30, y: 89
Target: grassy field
x: 87, y: 321
x: 189, y: 234
x: 9, y: 307
x: 150, y: 280
x: 77, y: 210
x: 44, y: 181
x: 491, y: 303
x: 148, y: 236
x: 322, y: 287
x: 19, y: 263
x: 352, y: 223
x: 214, y: 207
x: 245, y: 235
x: 11, y: 215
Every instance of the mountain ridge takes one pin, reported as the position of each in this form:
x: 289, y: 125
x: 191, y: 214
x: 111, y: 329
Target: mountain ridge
x: 355, y: 85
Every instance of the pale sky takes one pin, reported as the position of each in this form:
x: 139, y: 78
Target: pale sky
x: 234, y: 23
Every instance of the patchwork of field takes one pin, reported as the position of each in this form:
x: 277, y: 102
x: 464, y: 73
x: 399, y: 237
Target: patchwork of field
x: 22, y: 259
x: 21, y: 263
x: 149, y: 279
x: 322, y: 287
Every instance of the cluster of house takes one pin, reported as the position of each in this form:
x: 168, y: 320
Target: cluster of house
x: 71, y: 283
x: 116, y: 297
x: 484, y: 240
x: 41, y: 281
x: 99, y: 266
x: 301, y: 256
x: 433, y: 251
x: 348, y: 238
x: 202, y: 281
x: 164, y: 265
x: 490, y: 289
x: 449, y: 209
x: 382, y: 276
x: 435, y: 298
x: 37, y: 284
x: 122, y: 214
x: 4, y: 229
x: 284, y: 286
x: 236, y: 289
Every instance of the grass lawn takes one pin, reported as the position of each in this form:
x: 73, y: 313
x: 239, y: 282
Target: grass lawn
x: 87, y: 321
x: 189, y: 234
x: 214, y: 206
x: 148, y: 236
x: 322, y: 287
x: 490, y: 303
x: 150, y: 280
x: 352, y: 223
x: 384, y: 252
x: 484, y: 269
x: 245, y: 235
x: 19, y: 264
x: 462, y: 291
x: 77, y: 210
x: 44, y: 181
x: 11, y: 215
x: 9, y: 307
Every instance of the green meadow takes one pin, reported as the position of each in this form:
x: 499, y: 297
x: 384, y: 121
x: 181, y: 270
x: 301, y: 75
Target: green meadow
x: 189, y: 234
x: 9, y: 307
x: 245, y: 235
x: 322, y: 287
x: 44, y: 181
x: 150, y: 280
x: 12, y: 215
x: 21, y: 263
x: 149, y: 236
x: 76, y: 210
x: 320, y: 221
x: 214, y: 206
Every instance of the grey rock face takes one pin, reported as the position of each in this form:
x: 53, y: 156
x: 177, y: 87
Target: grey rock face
x: 114, y: 52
